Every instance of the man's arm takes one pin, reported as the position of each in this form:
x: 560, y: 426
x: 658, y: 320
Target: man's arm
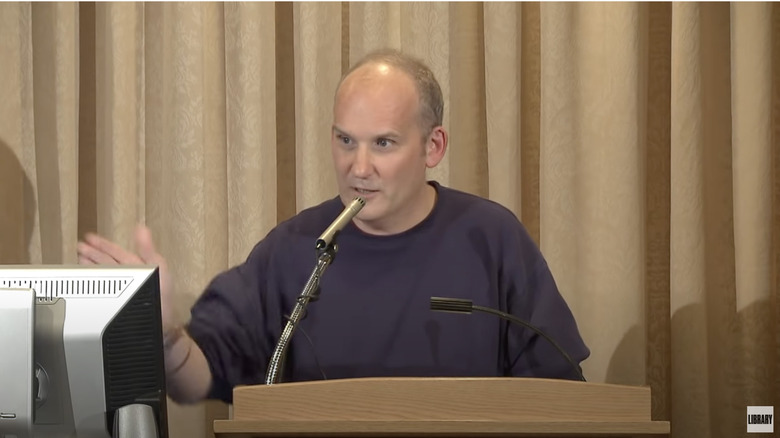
x: 533, y: 296
x: 187, y: 372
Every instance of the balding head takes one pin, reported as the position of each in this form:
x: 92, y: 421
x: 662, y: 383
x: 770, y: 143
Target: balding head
x: 383, y: 63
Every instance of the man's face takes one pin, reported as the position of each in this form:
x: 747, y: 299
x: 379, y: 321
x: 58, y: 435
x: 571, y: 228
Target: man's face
x: 379, y: 149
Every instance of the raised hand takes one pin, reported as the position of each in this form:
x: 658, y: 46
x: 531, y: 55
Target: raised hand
x: 96, y: 250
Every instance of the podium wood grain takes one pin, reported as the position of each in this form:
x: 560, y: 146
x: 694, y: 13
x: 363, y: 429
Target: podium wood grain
x: 441, y: 407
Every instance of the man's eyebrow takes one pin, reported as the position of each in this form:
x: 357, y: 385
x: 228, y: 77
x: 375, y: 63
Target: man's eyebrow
x: 389, y: 134
x: 386, y: 134
x: 339, y: 131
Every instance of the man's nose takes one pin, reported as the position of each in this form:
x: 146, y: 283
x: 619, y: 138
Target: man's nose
x: 362, y: 166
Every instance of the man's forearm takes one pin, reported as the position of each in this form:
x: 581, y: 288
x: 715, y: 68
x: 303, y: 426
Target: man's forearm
x: 186, y: 371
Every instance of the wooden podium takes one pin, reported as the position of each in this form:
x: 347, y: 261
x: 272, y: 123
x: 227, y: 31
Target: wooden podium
x: 441, y: 407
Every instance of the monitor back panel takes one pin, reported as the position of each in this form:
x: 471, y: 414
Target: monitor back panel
x: 17, y: 322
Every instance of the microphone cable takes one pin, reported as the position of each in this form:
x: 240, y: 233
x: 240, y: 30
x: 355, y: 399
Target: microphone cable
x: 460, y: 305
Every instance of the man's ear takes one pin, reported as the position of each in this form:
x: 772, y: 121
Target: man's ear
x: 435, y: 147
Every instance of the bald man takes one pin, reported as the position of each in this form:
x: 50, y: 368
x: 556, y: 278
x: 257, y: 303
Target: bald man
x: 413, y: 239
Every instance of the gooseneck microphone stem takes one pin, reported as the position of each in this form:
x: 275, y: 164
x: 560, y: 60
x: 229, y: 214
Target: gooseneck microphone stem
x: 459, y: 305
x: 326, y: 248
x: 276, y: 365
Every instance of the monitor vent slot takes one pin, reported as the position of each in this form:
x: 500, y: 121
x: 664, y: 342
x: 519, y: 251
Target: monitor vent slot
x: 49, y: 289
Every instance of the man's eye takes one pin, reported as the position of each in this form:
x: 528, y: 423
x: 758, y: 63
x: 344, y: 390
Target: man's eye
x: 383, y: 142
x: 344, y: 139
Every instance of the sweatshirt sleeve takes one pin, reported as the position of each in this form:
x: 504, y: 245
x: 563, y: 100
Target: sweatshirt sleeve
x: 533, y: 296
x: 229, y: 323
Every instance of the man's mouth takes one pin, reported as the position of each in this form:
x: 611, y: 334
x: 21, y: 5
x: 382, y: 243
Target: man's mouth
x: 364, y: 191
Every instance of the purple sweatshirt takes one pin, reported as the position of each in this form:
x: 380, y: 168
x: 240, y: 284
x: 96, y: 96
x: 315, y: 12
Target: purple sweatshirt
x: 373, y: 314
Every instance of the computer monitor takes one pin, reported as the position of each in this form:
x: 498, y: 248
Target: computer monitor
x: 97, y: 345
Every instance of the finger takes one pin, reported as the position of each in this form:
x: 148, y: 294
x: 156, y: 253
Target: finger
x: 101, y: 249
x: 93, y: 255
x: 84, y: 260
x: 144, y: 245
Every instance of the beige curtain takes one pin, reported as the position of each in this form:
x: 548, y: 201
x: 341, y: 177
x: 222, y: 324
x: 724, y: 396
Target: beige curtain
x: 637, y: 142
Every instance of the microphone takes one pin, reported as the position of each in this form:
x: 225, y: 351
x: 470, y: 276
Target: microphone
x: 460, y: 305
x: 327, y: 243
x: 329, y: 236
